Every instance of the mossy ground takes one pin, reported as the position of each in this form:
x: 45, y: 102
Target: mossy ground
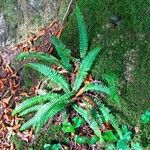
x: 131, y: 34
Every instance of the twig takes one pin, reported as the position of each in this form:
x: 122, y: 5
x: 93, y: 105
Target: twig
x: 68, y: 8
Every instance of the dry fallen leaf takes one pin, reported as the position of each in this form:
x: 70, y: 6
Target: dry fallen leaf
x: 11, y: 91
x: 1, y: 85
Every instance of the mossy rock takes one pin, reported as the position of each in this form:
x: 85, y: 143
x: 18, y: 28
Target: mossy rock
x: 118, y: 42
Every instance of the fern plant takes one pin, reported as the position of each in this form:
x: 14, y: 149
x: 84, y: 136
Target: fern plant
x: 71, y: 83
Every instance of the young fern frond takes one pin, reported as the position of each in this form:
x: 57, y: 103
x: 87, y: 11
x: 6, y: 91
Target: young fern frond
x: 40, y: 56
x: 34, y: 101
x: 63, y: 52
x: 30, y: 110
x: 84, y: 67
x: 90, y: 120
x: 52, y: 75
x: 83, y: 38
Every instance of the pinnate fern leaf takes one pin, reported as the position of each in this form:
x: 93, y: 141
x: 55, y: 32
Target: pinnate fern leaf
x: 90, y: 120
x: 52, y: 112
x: 111, y: 79
x: 82, y: 33
x: 96, y: 115
x: 64, y: 53
x: 96, y: 87
x: 51, y: 74
x: 41, y: 112
x: 110, y: 118
x: 84, y: 67
x: 58, y: 106
x: 34, y: 101
x: 30, y: 110
x: 44, y: 111
x: 40, y: 56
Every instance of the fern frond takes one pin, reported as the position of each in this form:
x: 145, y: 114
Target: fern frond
x: 44, y: 110
x: 51, y: 74
x: 111, y: 79
x: 41, y: 113
x: 51, y: 113
x: 57, y: 107
x: 64, y: 53
x: 30, y: 110
x: 34, y: 101
x: 96, y: 87
x: 82, y: 33
x: 84, y: 67
x: 92, y: 123
x: 110, y: 118
x: 95, y: 114
x: 40, y: 56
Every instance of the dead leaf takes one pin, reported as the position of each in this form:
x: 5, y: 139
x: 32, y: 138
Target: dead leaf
x: 80, y: 92
x: 1, y: 85
x: 6, y: 100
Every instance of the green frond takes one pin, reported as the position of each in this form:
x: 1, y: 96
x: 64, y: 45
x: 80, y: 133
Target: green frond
x: 110, y: 118
x: 58, y: 106
x: 34, y: 101
x: 30, y: 110
x: 111, y: 79
x: 96, y: 87
x: 95, y: 114
x: 44, y: 111
x: 40, y: 56
x: 51, y: 74
x: 82, y: 33
x: 84, y: 67
x: 88, y: 118
x: 64, y: 53
x: 51, y: 113
x: 40, y: 114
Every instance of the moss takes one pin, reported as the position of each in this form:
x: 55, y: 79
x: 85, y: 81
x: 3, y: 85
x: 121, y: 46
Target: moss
x: 10, y: 9
x: 19, y: 145
x: 130, y: 33
x: 53, y: 135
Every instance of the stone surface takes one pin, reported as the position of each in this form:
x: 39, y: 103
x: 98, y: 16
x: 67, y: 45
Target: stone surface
x: 20, y: 17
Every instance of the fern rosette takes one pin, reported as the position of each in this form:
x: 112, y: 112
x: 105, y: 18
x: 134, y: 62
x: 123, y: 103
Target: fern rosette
x: 72, y: 85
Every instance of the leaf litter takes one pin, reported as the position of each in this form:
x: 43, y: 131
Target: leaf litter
x: 11, y: 91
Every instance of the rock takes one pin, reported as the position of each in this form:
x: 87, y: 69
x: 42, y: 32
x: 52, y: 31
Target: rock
x: 20, y: 17
x: 3, y: 30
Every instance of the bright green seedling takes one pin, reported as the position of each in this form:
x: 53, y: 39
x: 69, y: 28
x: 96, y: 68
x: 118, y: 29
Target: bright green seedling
x: 67, y: 127
x: 52, y: 147
x: 78, y: 121
x: 126, y: 142
x: 146, y: 117
x: 70, y: 77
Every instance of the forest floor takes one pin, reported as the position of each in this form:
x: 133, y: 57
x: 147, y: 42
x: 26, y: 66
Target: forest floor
x: 122, y: 29
x: 12, y: 87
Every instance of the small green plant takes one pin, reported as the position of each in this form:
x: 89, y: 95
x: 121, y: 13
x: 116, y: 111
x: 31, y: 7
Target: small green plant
x: 146, y: 117
x: 69, y: 74
x: 67, y: 127
x: 126, y: 142
x: 52, y: 147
